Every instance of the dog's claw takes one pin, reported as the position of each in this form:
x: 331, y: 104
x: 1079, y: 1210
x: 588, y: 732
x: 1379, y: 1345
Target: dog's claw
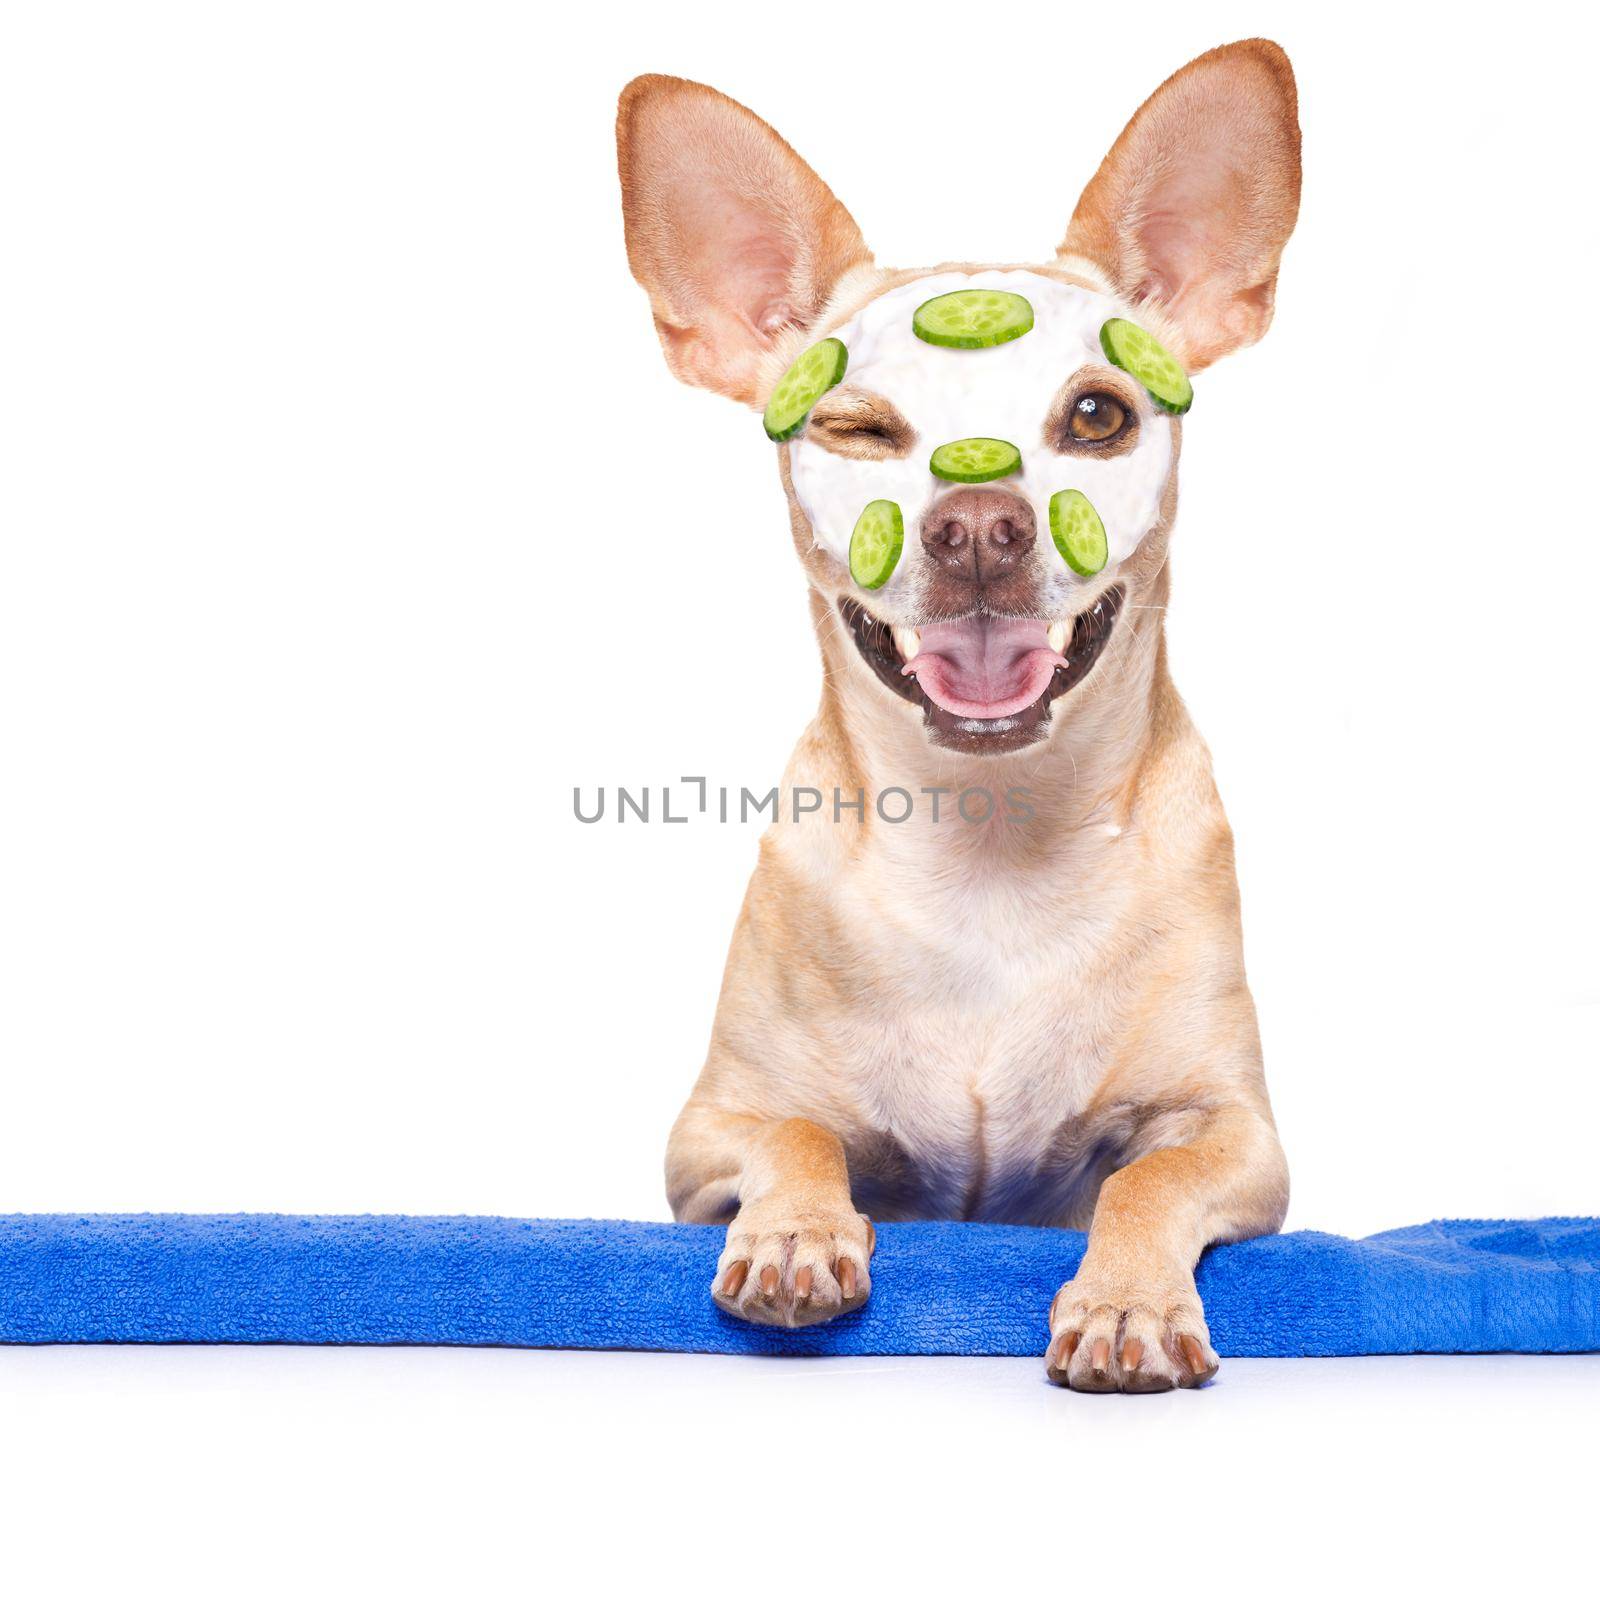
x: 1193, y: 1355
x: 769, y: 1282
x: 733, y: 1278
x: 802, y: 1284
x: 1132, y: 1354
x: 845, y: 1272
x: 1060, y: 1354
x: 1100, y: 1356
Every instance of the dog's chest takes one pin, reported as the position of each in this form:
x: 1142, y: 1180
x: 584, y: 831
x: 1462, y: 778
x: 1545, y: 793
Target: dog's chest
x: 964, y: 1127
x: 973, y: 1070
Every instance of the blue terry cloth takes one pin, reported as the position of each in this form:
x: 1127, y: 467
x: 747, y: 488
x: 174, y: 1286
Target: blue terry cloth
x: 939, y: 1288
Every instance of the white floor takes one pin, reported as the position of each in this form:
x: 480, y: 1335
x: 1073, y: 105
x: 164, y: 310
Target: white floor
x: 233, y: 1472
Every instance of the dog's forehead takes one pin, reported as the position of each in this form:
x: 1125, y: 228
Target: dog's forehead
x: 1007, y: 381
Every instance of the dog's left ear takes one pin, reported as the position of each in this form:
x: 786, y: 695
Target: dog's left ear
x: 1193, y: 206
x: 732, y: 235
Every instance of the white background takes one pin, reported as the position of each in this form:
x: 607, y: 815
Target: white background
x: 349, y: 518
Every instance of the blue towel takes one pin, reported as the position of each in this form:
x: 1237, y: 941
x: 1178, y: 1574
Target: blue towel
x: 939, y: 1288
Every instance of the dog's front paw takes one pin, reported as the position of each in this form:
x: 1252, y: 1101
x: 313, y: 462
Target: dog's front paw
x: 794, y: 1268
x: 1104, y: 1338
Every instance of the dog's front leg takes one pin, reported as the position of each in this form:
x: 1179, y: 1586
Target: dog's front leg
x: 797, y: 1249
x: 1131, y: 1318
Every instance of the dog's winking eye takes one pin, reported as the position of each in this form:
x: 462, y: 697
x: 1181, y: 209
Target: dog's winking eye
x: 867, y: 430
x: 1096, y: 418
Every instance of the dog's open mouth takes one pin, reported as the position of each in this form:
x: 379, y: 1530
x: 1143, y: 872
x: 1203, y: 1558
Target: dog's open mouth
x: 985, y: 683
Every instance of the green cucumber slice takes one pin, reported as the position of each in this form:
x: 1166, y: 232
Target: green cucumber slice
x: 875, y: 544
x: 972, y: 319
x: 974, y: 460
x: 1079, y: 533
x: 810, y: 376
x: 1128, y: 346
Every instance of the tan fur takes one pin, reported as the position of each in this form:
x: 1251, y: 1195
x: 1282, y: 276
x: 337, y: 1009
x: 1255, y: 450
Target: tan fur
x: 753, y: 218
x: 1044, y: 1023
x: 1223, y: 217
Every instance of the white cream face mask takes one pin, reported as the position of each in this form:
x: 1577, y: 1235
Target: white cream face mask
x: 966, y: 405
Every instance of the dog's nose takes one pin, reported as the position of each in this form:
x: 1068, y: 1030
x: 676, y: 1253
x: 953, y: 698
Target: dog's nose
x: 979, y: 535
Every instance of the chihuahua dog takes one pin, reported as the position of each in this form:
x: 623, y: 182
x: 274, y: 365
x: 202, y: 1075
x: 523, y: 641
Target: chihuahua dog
x: 1040, y: 1016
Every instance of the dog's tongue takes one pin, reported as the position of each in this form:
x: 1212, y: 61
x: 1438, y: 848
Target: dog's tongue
x: 985, y: 666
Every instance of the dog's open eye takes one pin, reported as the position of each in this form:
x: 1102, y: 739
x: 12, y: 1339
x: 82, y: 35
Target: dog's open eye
x: 1096, y: 418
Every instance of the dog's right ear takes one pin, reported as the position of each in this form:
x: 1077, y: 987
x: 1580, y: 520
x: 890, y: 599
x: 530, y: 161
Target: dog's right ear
x: 732, y: 235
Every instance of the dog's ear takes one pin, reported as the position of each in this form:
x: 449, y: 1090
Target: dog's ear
x: 732, y: 235
x: 1193, y: 206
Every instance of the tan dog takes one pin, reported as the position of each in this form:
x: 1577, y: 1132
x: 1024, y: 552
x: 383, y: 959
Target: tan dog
x: 1041, y: 1018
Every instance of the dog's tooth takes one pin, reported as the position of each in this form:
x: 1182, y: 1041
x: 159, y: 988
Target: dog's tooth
x: 907, y: 641
x: 1058, y: 637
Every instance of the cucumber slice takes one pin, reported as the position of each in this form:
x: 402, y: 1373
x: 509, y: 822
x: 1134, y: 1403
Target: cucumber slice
x: 972, y: 319
x: 1079, y: 533
x: 875, y: 544
x: 1128, y: 346
x: 809, y: 377
x: 974, y: 460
